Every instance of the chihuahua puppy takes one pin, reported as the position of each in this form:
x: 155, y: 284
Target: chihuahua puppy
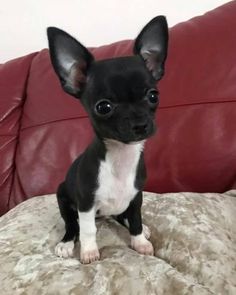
x: 120, y: 97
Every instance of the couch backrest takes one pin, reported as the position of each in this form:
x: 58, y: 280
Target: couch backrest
x: 43, y: 129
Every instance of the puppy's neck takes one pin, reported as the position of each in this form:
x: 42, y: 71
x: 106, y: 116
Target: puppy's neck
x: 122, y: 158
x: 116, y: 146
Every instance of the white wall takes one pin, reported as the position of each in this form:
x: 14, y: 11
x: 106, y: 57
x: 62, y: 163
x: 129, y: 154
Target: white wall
x: 93, y: 22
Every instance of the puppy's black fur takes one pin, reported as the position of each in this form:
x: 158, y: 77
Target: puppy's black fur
x: 121, y: 98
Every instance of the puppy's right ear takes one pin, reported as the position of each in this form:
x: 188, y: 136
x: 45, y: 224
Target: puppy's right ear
x: 70, y: 60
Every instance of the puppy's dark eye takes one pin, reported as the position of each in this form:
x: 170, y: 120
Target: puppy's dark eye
x: 103, y: 107
x: 152, y: 96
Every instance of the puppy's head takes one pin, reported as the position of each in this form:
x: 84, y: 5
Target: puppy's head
x: 119, y: 94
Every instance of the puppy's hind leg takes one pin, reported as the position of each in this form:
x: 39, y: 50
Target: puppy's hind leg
x: 123, y: 220
x: 66, y: 246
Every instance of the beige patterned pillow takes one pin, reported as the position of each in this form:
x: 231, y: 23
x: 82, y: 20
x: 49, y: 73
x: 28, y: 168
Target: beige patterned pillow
x: 194, y: 236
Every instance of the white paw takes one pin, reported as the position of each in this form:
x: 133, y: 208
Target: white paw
x: 89, y: 255
x: 65, y: 250
x: 140, y: 244
x: 146, y: 231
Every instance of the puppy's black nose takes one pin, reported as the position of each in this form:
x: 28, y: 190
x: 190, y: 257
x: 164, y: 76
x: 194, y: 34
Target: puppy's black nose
x: 140, y: 129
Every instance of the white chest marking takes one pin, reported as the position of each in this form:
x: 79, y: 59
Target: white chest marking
x: 116, y: 177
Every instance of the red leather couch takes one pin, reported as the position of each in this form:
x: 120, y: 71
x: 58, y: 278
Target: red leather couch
x: 43, y: 129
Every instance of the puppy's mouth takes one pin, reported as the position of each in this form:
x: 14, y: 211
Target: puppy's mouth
x: 136, y: 135
x: 127, y: 134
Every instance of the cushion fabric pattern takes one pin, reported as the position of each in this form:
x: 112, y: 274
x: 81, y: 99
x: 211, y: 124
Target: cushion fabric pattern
x: 194, y: 237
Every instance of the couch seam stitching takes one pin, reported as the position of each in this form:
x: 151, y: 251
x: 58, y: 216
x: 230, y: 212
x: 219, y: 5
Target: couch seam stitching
x: 160, y: 108
x: 196, y: 103
x: 24, y: 97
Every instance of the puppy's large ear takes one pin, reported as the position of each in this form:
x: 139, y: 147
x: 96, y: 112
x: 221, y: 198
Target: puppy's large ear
x: 70, y: 60
x: 152, y: 44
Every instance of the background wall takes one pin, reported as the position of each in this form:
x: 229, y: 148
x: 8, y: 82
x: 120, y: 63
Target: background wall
x: 94, y: 22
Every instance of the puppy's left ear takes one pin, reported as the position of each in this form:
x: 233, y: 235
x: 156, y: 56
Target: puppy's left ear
x: 152, y: 45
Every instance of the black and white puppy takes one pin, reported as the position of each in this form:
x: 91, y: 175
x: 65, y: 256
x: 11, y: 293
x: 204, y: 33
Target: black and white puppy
x: 121, y: 98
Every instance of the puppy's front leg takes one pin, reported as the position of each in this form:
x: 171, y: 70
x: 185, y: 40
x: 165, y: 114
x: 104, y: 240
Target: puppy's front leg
x: 88, y: 245
x: 139, y: 241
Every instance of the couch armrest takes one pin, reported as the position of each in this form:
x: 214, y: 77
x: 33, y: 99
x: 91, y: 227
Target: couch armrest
x: 13, y: 80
